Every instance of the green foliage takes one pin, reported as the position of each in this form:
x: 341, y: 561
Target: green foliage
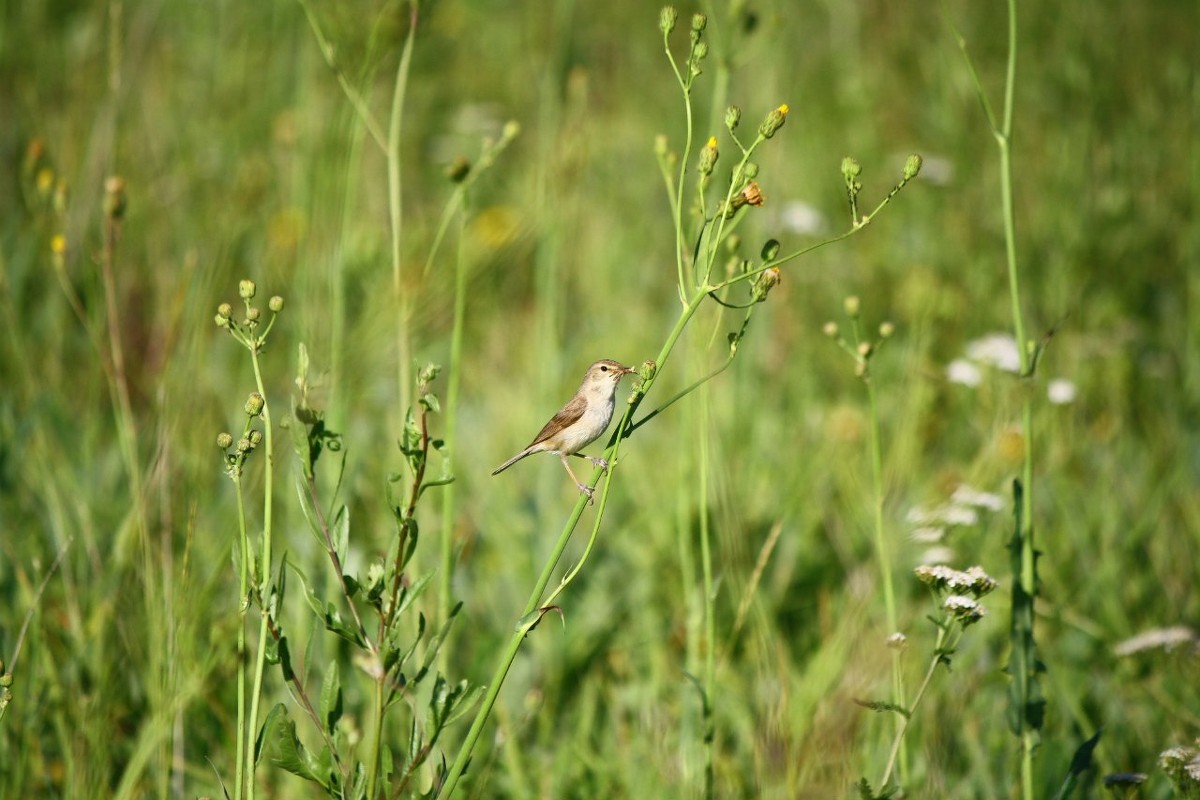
x: 249, y: 146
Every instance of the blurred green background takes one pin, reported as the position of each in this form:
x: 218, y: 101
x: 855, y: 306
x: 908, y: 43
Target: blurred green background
x: 242, y: 157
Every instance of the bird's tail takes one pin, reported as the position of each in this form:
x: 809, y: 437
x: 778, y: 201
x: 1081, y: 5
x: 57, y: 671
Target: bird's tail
x: 511, y: 461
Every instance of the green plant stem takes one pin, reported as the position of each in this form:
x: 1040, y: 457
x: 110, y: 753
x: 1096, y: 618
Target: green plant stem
x: 451, y: 418
x: 710, y: 625
x: 243, y: 607
x: 883, y: 553
x: 402, y: 299
x: 939, y: 651
x: 264, y: 586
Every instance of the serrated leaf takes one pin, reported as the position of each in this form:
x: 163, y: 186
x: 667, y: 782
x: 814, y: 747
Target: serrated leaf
x: 331, y: 698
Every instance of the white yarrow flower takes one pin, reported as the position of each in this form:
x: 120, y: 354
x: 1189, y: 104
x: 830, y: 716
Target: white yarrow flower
x: 997, y: 350
x: 1061, y: 392
x: 963, y: 372
x: 1165, y: 638
x: 969, y: 496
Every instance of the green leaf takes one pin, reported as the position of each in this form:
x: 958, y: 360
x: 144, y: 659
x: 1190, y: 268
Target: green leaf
x: 277, y: 741
x: 331, y: 698
x: 1081, y: 762
x: 341, y: 533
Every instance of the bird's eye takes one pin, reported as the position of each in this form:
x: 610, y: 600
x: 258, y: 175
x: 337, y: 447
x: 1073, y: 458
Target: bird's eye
x: 603, y: 368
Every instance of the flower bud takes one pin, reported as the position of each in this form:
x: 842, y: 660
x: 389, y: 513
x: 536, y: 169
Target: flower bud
x: 769, y: 250
x: 253, y: 313
x: 764, y: 283
x: 114, y: 197
x: 647, y: 370
x: 733, y: 115
x: 459, y: 169
x: 224, y: 311
x: 912, y: 167
x: 246, y: 289
x: 256, y: 438
x: 660, y: 145
x: 708, y: 156
x: 773, y: 122
x: 700, y: 52
x: 275, y: 304
x: 886, y: 329
x: 851, y: 305
x: 851, y: 169
x: 751, y: 170
x: 244, y: 446
x: 699, y: 23
x: 865, y: 349
x: 667, y: 18
x: 254, y: 404
x: 830, y: 329
x: 224, y: 440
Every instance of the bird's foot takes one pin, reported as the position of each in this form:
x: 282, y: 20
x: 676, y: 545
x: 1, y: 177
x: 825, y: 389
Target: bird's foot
x: 599, y: 462
x: 589, y: 491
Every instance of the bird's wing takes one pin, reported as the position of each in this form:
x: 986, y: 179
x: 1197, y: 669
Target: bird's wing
x: 569, y: 415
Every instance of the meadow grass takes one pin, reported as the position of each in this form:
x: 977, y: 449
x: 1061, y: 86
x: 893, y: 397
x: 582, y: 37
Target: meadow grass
x: 728, y: 632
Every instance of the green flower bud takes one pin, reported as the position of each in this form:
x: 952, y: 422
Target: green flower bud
x: 830, y: 329
x: 912, y: 167
x: 851, y: 169
x: 254, y: 404
x: 700, y: 52
x: 773, y: 122
x: 708, y: 156
x: 865, y: 349
x: 769, y: 250
x: 224, y: 440
x: 246, y: 289
x: 256, y: 438
x: 458, y: 170
x: 275, y: 304
x: 667, y: 18
x: 244, y: 446
x: 852, y: 306
x: 699, y: 23
x: 253, y: 313
x: 6, y: 680
x: 886, y: 329
x: 733, y: 115
x: 222, y: 322
x: 647, y: 370
x: 225, y: 311
x: 751, y: 170
x: 660, y: 145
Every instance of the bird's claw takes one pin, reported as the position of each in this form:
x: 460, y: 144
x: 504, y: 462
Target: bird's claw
x: 589, y: 491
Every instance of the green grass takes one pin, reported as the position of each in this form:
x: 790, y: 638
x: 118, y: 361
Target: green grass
x: 243, y: 158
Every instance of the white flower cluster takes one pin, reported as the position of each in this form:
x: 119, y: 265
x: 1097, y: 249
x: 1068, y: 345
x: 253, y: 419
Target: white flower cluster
x: 999, y: 351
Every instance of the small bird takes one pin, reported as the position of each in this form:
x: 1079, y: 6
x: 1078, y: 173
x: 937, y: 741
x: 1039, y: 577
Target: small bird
x: 580, y: 422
